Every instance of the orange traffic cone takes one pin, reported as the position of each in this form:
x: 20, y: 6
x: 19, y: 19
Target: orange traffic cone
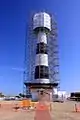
x: 77, y: 108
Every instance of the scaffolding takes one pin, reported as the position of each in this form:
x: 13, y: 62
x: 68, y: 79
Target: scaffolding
x: 53, y: 54
x: 30, y: 55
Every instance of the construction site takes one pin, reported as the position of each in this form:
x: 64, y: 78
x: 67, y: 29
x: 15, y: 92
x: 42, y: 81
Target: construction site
x: 41, y: 78
x: 60, y: 111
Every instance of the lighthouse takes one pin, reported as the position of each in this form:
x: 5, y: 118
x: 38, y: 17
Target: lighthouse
x: 41, y: 27
x: 41, y: 73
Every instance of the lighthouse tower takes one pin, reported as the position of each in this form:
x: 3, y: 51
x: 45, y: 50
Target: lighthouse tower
x: 41, y: 27
x: 41, y: 71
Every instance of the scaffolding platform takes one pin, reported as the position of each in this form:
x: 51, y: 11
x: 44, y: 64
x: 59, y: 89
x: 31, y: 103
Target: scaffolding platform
x: 40, y: 85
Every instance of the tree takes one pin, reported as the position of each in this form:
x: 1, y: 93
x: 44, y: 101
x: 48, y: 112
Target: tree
x: 21, y: 95
x: 1, y: 95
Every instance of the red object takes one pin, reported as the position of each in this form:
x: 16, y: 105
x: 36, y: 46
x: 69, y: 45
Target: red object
x: 42, y: 113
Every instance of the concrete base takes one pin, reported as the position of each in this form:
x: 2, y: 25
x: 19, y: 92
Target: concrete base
x: 45, y: 95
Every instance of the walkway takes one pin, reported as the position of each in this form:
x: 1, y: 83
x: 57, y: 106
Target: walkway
x: 42, y: 112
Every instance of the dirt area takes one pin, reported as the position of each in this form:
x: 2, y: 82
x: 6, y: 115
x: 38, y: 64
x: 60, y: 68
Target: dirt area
x: 61, y: 111
x: 65, y: 111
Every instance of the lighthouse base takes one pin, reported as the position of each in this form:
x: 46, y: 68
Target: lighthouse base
x: 42, y: 90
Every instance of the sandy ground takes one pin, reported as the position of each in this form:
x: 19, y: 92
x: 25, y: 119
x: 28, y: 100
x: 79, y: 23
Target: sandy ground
x: 64, y: 111
x: 61, y: 111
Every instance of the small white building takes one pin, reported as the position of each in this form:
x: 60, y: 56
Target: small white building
x: 1, y: 98
x: 63, y: 94
x: 60, y: 94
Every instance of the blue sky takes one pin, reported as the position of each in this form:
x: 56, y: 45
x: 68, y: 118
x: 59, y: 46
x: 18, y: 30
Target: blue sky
x: 14, y: 14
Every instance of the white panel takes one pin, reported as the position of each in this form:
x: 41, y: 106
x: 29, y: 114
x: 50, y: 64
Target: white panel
x: 42, y: 19
x: 42, y: 80
x: 61, y: 92
x: 55, y: 91
x: 34, y: 95
x: 42, y: 59
x: 42, y: 37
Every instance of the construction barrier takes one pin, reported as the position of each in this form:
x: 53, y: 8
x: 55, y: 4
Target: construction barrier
x: 26, y: 103
x: 0, y: 105
x: 29, y: 105
x: 77, y: 108
x: 16, y: 107
x: 33, y: 104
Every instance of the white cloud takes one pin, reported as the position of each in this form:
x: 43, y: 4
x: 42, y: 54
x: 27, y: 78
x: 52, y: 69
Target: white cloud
x: 11, y: 68
x: 17, y: 69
